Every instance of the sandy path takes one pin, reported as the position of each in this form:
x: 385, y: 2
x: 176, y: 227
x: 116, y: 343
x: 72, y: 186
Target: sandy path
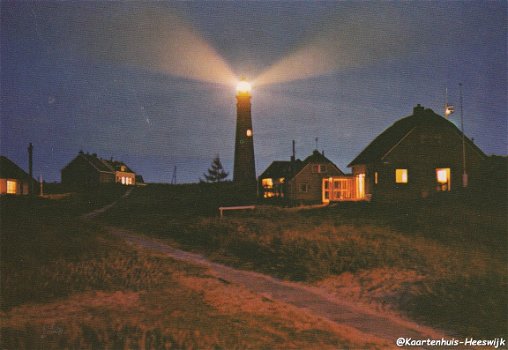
x: 309, y: 299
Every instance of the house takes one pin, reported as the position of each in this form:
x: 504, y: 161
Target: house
x: 88, y: 170
x: 418, y: 156
x: 296, y: 180
x: 13, y: 180
x: 273, y: 180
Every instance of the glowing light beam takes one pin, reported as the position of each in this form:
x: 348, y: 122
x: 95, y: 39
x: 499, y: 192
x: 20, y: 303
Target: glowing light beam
x: 341, y: 43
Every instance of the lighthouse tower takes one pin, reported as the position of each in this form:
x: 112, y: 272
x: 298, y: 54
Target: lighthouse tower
x: 244, y: 174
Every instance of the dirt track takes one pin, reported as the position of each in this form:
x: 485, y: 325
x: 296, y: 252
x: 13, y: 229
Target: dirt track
x: 387, y: 328
x: 309, y: 299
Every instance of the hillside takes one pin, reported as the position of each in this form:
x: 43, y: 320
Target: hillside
x: 68, y: 283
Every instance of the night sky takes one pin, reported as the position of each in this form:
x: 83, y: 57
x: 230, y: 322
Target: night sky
x: 153, y: 84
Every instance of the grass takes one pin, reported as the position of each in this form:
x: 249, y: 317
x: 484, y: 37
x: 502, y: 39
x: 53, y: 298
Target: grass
x: 65, y: 284
x: 456, y: 243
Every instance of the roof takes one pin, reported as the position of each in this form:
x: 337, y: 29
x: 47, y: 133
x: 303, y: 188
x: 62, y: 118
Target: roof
x: 282, y: 168
x: 317, y: 157
x: 117, y: 165
x: 9, y: 170
x: 102, y: 165
x: 382, y: 144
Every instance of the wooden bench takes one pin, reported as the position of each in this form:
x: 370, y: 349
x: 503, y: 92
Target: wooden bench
x: 240, y: 207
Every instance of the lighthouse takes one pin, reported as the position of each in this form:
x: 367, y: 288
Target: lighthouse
x: 244, y: 174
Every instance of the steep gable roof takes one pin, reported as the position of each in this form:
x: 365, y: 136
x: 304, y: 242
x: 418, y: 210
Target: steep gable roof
x: 117, y: 165
x: 282, y: 168
x: 317, y: 157
x: 9, y: 170
x: 102, y: 165
x: 387, y: 140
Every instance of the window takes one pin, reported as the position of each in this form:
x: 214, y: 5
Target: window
x: 319, y: 168
x: 443, y: 179
x: 267, y: 183
x: 360, y: 191
x: 12, y: 186
x: 123, y: 180
x: 304, y: 187
x: 249, y: 132
x: 376, y: 177
x: 401, y: 176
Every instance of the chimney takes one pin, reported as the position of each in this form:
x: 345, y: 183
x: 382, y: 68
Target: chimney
x: 30, y: 167
x: 293, y: 156
x: 418, y: 109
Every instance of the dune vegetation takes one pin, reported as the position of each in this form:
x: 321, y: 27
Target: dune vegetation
x: 66, y: 283
x: 442, y: 262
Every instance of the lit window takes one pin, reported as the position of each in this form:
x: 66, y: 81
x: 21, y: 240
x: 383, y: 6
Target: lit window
x: 123, y: 180
x: 122, y: 168
x: 304, y: 187
x: 282, y: 180
x: 249, y: 132
x: 318, y: 168
x: 401, y: 176
x: 443, y: 179
x: 11, y: 186
x: 376, y: 177
x: 360, y: 191
x: 267, y: 183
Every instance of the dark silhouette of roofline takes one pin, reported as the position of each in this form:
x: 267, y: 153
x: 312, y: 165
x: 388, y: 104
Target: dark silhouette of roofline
x: 389, y: 139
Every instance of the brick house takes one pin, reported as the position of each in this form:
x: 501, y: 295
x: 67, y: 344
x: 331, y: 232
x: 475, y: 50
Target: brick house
x: 296, y: 180
x: 418, y: 156
x: 88, y: 170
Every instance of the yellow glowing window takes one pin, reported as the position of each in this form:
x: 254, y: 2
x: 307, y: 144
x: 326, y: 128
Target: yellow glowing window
x: 376, y: 177
x: 443, y: 179
x: 11, y: 186
x: 267, y: 183
x: 443, y: 175
x: 282, y: 180
x: 401, y: 176
x: 249, y: 132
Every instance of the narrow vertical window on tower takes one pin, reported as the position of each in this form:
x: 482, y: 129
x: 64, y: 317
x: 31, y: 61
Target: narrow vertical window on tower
x: 249, y: 133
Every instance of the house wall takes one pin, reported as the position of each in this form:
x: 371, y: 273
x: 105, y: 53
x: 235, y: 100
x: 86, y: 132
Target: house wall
x: 81, y: 173
x: 423, y: 150
x: 22, y: 187
x: 314, y: 183
x: 126, y: 175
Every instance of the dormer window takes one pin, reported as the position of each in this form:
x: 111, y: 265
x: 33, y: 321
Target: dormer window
x: 122, y: 168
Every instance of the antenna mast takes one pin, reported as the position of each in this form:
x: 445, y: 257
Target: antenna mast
x: 464, y: 171
x: 173, y: 178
